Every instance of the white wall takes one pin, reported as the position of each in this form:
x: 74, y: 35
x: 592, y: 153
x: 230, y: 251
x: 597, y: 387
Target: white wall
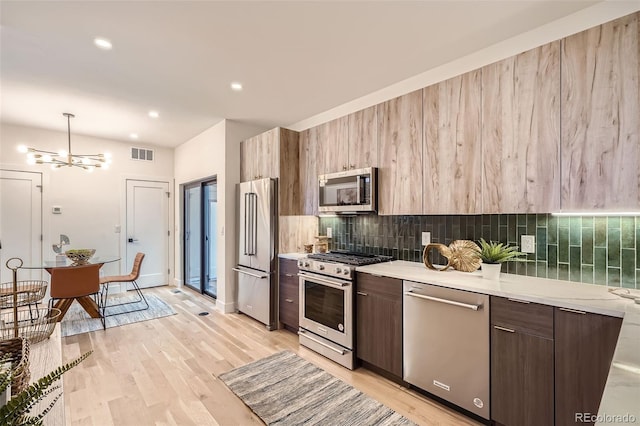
x: 597, y: 14
x: 214, y: 152
x: 91, y: 202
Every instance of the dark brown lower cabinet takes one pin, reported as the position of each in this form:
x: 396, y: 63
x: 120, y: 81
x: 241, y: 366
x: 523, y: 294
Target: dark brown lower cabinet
x: 521, y: 363
x: 379, y: 322
x: 584, y: 346
x: 289, y: 294
x: 521, y: 378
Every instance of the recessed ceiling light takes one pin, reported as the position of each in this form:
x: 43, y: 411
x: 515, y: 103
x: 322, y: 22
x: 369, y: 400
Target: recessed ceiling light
x: 102, y: 43
x: 133, y: 135
x: 154, y: 114
x: 236, y: 86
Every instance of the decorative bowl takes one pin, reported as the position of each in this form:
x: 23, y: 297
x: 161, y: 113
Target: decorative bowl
x: 80, y: 256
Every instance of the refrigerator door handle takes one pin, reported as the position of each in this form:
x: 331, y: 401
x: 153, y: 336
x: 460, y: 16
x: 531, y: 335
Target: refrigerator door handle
x: 250, y: 250
x: 254, y: 243
x: 246, y: 223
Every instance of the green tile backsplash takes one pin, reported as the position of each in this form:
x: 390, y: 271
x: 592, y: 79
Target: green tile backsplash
x: 599, y: 250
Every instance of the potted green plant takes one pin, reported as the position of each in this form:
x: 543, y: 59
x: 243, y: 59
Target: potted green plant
x: 494, y: 254
x: 17, y: 411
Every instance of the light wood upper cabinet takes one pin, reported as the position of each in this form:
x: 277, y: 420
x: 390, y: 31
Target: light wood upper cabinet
x: 521, y: 132
x: 274, y: 154
x: 363, y: 139
x: 332, y: 146
x: 259, y: 156
x: 452, y: 146
x: 248, y: 154
x: 400, y: 161
x: 308, y: 181
x: 323, y: 149
x: 289, y: 200
x: 600, y: 117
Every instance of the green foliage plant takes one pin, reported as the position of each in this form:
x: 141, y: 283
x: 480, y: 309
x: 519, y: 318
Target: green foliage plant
x: 17, y: 410
x: 493, y: 252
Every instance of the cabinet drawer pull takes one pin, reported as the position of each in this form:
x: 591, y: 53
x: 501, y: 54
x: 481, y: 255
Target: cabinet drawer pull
x: 360, y: 293
x: 290, y: 275
x: 573, y: 311
x: 526, y: 302
x: 288, y: 300
x: 497, y: 327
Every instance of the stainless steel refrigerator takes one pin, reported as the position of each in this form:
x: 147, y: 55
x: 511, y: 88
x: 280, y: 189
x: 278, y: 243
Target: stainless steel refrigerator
x: 257, y: 290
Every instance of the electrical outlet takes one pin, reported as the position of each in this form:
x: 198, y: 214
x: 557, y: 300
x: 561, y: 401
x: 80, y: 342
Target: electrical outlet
x: 329, y: 233
x: 426, y: 238
x: 528, y: 243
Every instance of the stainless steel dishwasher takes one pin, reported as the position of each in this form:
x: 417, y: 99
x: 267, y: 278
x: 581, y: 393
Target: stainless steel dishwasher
x: 446, y: 344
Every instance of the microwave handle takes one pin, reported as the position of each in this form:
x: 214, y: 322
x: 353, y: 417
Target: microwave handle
x: 358, y: 190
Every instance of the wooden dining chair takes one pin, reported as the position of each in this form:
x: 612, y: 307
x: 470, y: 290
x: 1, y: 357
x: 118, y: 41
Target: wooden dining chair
x: 81, y: 283
x: 131, y: 278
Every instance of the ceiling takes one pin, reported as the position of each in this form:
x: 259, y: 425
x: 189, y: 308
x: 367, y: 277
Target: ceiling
x: 295, y: 59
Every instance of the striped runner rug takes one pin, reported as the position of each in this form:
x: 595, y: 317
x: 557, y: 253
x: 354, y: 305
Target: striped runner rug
x: 284, y: 389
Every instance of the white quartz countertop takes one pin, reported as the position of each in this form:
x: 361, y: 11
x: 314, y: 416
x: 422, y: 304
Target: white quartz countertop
x: 622, y: 392
x: 294, y: 256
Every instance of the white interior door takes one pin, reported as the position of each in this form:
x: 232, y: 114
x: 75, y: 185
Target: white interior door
x: 147, y: 230
x: 20, y: 222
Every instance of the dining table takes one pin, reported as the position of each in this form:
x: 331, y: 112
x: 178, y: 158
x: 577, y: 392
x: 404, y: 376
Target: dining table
x: 87, y: 302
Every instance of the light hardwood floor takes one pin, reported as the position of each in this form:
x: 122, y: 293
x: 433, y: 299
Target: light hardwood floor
x: 164, y: 372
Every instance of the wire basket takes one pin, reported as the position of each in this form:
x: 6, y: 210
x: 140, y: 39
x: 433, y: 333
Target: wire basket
x: 31, y: 323
x: 28, y: 292
x: 17, y: 350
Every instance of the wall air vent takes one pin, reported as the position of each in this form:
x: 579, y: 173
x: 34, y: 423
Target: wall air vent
x: 141, y: 154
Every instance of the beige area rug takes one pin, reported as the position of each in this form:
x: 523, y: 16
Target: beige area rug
x: 78, y: 321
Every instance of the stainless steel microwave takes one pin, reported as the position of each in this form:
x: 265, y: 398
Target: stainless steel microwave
x: 351, y: 191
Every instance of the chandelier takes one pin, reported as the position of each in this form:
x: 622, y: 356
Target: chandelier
x: 64, y: 158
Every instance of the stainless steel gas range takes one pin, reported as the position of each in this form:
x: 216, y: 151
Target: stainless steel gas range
x: 326, y: 302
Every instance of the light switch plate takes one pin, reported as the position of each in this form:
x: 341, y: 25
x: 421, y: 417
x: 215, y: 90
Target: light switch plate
x: 426, y: 238
x: 528, y: 243
x: 329, y: 233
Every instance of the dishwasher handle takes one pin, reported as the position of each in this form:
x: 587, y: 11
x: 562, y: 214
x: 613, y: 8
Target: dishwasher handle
x: 447, y: 301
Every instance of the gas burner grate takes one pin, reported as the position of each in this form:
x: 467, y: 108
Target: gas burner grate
x: 350, y: 258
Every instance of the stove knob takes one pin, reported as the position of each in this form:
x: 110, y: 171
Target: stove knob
x: 300, y: 263
x: 306, y: 264
x: 345, y: 272
x: 321, y: 267
x: 338, y: 270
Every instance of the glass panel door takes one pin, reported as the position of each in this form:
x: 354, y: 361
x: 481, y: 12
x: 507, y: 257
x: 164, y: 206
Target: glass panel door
x: 210, y: 204
x: 192, y: 236
x: 200, y: 248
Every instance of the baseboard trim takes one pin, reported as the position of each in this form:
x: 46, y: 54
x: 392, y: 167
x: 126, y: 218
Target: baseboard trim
x: 226, y: 307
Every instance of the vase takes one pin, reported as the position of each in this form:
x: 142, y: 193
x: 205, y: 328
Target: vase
x: 491, y: 271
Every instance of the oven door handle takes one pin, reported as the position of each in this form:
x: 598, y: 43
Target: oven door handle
x: 334, y: 284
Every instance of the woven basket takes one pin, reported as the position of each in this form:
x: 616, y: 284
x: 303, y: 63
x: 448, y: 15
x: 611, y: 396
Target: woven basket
x: 32, y: 324
x: 28, y: 292
x: 18, y: 351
